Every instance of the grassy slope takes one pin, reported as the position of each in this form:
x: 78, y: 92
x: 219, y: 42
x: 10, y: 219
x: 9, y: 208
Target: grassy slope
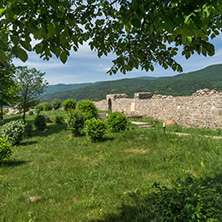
x: 179, y: 85
x: 55, y: 177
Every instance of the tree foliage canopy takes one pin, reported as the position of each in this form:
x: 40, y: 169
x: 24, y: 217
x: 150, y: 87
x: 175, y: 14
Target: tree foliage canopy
x: 8, y: 86
x: 139, y: 32
x: 30, y: 84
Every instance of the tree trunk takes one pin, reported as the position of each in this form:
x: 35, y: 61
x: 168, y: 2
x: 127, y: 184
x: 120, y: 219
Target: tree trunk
x: 1, y: 113
x: 24, y: 106
x: 23, y: 116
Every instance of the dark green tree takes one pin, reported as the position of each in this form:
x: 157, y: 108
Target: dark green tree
x: 8, y: 87
x: 140, y: 33
x: 31, y: 84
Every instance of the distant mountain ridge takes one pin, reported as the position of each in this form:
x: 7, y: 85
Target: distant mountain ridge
x: 66, y: 87
x: 178, y: 85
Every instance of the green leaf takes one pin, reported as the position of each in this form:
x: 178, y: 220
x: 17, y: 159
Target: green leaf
x: 136, y: 22
x: 26, y: 45
x: 2, y: 10
x: 51, y: 29
x: 22, y: 54
x: 184, y: 39
x: 14, y: 39
x: 2, y: 56
x: 63, y: 57
x: 189, y: 39
x: 204, y: 51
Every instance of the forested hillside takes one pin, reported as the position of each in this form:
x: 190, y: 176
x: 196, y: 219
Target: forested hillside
x: 179, y: 85
x: 65, y: 87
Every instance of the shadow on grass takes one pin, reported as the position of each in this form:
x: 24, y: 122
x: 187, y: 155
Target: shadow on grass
x: 12, y: 163
x: 27, y: 143
x: 11, y: 118
x: 49, y: 130
x: 196, y: 192
x: 107, y: 138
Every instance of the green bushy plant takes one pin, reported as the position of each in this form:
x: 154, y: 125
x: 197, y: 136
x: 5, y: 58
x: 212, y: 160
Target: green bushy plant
x: 59, y: 120
x: 5, y: 149
x: 191, y: 200
x: 5, y: 111
x: 40, y: 122
x: 75, y: 122
x: 117, y: 122
x: 95, y: 129
x: 46, y: 106
x: 88, y: 108
x: 56, y: 104
x: 13, y: 131
x: 31, y: 113
x: 28, y: 129
x: 39, y: 107
x: 69, y: 104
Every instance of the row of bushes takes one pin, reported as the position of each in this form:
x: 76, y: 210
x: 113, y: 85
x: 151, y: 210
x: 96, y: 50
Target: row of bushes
x: 68, y: 105
x: 82, y: 120
x: 78, y: 123
x: 45, y: 106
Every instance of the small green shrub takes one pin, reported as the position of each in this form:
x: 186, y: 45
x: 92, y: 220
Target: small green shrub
x: 59, y: 120
x: 69, y: 104
x: 39, y: 107
x: 13, y: 132
x: 46, y: 106
x: 28, y: 129
x: 56, y: 104
x: 5, y: 149
x: 40, y: 122
x: 75, y: 122
x: 192, y: 200
x: 5, y: 111
x: 88, y: 108
x: 31, y: 113
x: 117, y: 122
x: 95, y: 129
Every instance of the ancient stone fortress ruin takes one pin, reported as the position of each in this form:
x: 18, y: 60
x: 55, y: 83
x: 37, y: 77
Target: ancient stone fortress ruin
x: 202, y: 109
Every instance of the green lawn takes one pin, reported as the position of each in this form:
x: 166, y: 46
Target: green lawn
x: 53, y: 176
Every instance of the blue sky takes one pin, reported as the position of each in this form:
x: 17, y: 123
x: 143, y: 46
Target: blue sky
x: 84, y: 66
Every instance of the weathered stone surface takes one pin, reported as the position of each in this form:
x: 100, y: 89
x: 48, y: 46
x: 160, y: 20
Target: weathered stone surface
x: 101, y: 105
x: 189, y: 111
x: 115, y: 96
x: 143, y: 95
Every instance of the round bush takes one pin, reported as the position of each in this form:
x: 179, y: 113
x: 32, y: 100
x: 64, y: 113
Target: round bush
x: 5, y: 149
x: 31, y: 113
x: 56, y: 104
x: 69, y: 104
x: 46, y: 106
x: 88, y: 108
x: 59, y: 120
x: 28, y: 129
x: 75, y: 122
x: 40, y: 122
x: 13, y: 132
x: 117, y: 122
x: 39, y: 107
x: 95, y: 129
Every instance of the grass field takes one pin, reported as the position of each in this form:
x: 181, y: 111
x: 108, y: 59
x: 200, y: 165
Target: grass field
x: 53, y: 176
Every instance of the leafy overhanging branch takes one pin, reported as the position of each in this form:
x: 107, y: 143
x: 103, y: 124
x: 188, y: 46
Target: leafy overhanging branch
x: 140, y: 33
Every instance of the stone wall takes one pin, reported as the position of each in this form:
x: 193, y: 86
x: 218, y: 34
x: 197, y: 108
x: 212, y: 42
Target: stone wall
x: 202, y: 109
x: 101, y: 105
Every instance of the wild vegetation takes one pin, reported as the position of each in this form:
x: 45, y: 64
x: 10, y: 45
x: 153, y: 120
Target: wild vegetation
x: 53, y: 176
